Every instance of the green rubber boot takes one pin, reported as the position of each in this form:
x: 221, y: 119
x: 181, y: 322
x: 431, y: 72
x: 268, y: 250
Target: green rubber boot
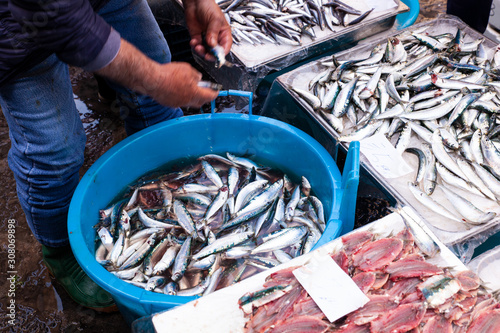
x: 62, y: 264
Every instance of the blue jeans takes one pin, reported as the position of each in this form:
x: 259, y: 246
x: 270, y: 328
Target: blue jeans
x: 47, y: 136
x: 475, y: 13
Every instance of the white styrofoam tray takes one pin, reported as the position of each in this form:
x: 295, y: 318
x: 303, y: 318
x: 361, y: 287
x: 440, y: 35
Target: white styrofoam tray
x: 487, y: 267
x: 219, y: 312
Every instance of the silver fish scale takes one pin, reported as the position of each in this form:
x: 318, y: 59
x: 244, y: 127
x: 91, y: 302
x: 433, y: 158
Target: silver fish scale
x: 163, y: 249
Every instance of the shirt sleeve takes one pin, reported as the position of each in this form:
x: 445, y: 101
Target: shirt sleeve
x: 69, y: 28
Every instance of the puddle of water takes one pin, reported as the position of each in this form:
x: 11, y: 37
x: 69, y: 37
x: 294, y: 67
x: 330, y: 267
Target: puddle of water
x: 86, y: 115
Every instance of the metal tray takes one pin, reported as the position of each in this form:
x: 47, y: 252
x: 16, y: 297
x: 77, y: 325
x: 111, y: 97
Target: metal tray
x: 253, y: 63
x: 396, y: 187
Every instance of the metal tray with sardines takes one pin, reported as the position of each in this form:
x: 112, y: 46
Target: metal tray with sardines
x: 432, y: 91
x: 272, y: 35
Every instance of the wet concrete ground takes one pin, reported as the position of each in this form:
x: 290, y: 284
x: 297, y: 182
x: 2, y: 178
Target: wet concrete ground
x: 41, y: 304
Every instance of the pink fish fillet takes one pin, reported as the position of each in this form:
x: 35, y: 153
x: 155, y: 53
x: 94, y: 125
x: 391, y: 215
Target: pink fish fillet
x: 380, y: 281
x: 377, y: 254
x: 342, y: 260
x: 467, y: 303
x: 411, y: 268
x: 463, y: 321
x: 404, y: 287
x: 353, y: 328
x: 284, y: 276
x: 408, y: 242
x: 413, y: 297
x: 486, y: 322
x: 376, y: 307
x: 307, y: 307
x: 284, y: 307
x: 301, y: 324
x: 354, y: 241
x: 486, y: 303
x: 260, y: 321
x: 468, y: 279
x: 364, y: 280
x: 438, y: 324
x: 455, y: 313
x: 402, y: 319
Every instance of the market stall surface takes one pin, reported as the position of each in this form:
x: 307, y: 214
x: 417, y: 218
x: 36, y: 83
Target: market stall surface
x: 41, y: 304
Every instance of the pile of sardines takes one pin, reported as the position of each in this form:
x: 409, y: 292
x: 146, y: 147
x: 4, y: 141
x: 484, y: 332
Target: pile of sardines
x: 407, y: 292
x: 438, y: 89
x: 209, y: 225
x: 286, y: 21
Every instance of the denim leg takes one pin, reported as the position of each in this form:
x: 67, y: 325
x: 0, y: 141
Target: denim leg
x: 47, y: 144
x: 135, y: 22
x: 475, y: 13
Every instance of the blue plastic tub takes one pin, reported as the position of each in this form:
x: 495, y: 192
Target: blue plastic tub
x: 406, y: 19
x: 295, y: 152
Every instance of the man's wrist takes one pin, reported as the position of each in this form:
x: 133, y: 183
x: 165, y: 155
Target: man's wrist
x: 133, y: 69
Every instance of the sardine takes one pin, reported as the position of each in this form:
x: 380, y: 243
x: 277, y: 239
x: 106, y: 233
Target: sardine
x: 443, y: 157
x: 181, y: 260
x: 430, y: 203
x: 211, y: 173
x: 491, y: 154
x: 184, y: 218
x: 422, y: 163
x: 256, y: 206
x: 343, y: 98
x: 140, y: 254
x: 310, y: 99
x: 222, y: 244
x: 166, y: 260
x: 437, y: 289
x: 424, y: 242
x: 449, y: 178
x: 473, y: 177
x: 282, y: 239
x: 248, y: 192
x: 152, y: 223
x: 473, y: 214
x: 362, y: 133
x: 430, y: 175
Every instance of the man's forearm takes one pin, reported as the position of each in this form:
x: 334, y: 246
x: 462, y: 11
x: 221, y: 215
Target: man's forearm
x: 132, y: 69
x: 173, y: 84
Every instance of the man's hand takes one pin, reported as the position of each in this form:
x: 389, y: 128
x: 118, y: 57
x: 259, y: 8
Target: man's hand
x: 206, y: 17
x: 173, y: 84
x: 178, y: 86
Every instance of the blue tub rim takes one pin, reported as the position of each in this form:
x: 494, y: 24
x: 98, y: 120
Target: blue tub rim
x: 113, y: 284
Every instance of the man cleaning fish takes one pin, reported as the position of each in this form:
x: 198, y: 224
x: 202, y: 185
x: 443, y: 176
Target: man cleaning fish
x: 119, y: 40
